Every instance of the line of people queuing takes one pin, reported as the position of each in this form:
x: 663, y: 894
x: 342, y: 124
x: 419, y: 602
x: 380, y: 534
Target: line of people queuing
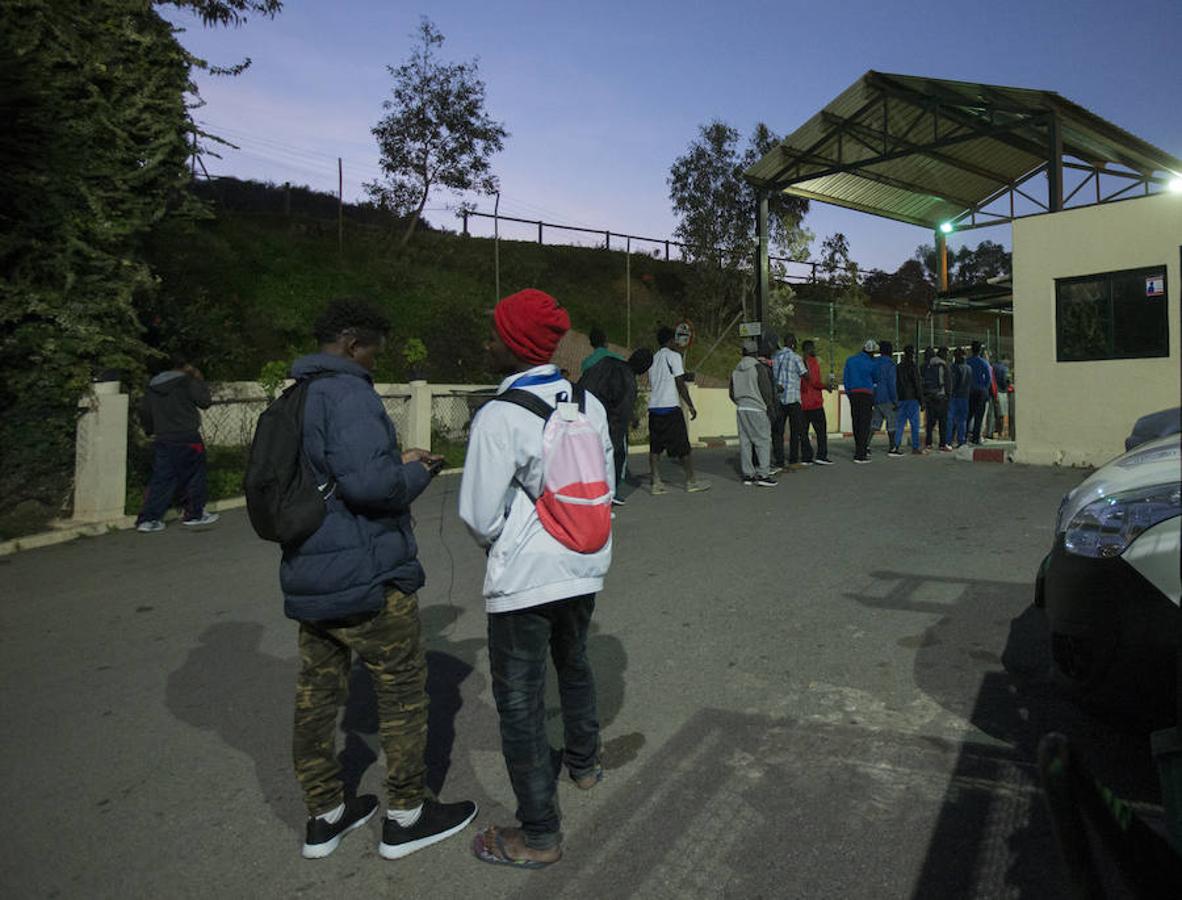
x: 961, y: 399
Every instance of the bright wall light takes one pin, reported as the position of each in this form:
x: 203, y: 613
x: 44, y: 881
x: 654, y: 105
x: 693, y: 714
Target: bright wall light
x: 1175, y: 184
x: 946, y: 227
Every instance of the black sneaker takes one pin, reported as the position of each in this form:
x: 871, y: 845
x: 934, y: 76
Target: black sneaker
x: 748, y: 481
x: 618, y: 501
x: 823, y: 462
x: 766, y: 481
x: 322, y: 837
x: 437, y: 822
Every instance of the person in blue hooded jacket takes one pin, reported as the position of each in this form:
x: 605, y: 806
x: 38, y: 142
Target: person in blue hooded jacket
x: 859, y: 380
x: 980, y: 392
x: 886, y: 398
x: 351, y: 586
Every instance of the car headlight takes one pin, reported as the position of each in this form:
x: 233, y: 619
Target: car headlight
x: 1105, y: 527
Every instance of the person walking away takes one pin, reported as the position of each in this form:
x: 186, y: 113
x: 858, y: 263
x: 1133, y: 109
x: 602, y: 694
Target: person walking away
x: 910, y: 392
x: 667, y: 432
x: 352, y: 587
x: 169, y: 413
x: 769, y: 346
x: 812, y: 403
x: 613, y: 382
x: 598, y: 352
x: 859, y: 378
x: 935, y: 395
x: 979, y: 392
x: 1001, y: 376
x: 751, y: 392
x: 958, y: 402
x: 539, y: 592
x: 886, y: 398
x: 787, y: 371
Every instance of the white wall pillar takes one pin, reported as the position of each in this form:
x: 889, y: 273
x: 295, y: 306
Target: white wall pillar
x: 100, y: 460
x: 418, y: 417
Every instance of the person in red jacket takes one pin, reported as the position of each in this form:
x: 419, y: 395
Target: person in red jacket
x: 812, y: 403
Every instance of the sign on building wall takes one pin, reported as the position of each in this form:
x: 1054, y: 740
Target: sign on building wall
x: 1155, y: 286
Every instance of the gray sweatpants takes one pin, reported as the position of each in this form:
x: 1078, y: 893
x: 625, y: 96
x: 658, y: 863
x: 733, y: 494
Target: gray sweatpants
x: 755, y: 432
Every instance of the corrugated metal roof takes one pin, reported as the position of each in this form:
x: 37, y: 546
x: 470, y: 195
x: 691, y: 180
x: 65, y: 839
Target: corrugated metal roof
x: 926, y: 150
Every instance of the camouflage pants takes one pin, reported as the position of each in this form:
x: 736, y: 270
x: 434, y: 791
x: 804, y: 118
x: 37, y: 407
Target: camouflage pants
x: 390, y: 645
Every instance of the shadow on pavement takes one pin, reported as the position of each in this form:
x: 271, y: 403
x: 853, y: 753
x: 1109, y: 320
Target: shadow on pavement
x: 998, y: 838
x: 229, y: 687
x: 747, y: 805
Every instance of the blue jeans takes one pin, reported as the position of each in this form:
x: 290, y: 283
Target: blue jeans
x: 176, y: 467
x: 958, y: 418
x: 909, y: 412
x: 518, y: 645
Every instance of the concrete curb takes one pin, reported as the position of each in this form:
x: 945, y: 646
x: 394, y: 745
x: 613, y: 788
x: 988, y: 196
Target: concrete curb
x: 994, y: 452
x: 70, y: 531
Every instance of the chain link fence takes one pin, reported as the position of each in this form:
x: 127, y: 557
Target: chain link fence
x: 839, y: 330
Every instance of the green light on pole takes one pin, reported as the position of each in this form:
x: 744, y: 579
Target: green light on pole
x: 946, y: 227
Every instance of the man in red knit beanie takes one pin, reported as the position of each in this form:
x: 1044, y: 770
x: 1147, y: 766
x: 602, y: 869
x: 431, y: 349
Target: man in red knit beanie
x: 538, y: 593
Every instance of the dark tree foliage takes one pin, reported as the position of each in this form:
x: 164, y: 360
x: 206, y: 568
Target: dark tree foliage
x: 226, y: 12
x: 906, y: 289
x: 436, y: 132
x: 94, y: 155
x: 968, y: 265
x: 716, y: 209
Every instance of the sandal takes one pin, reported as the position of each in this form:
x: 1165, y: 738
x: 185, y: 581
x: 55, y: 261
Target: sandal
x: 499, y: 856
x: 588, y: 781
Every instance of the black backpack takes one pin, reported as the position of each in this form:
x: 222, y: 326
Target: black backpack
x: 283, y: 498
x: 933, y: 379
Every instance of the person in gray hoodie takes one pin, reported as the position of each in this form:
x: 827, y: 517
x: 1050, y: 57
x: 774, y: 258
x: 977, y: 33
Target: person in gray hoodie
x: 169, y: 413
x: 751, y: 392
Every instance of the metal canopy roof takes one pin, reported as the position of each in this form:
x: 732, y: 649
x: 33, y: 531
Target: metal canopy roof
x: 929, y: 151
x: 994, y: 295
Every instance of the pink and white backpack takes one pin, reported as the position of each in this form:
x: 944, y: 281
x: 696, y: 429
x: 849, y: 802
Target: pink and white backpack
x: 575, y: 505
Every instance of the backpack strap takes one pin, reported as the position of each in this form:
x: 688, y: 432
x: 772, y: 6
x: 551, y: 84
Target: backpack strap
x: 527, y: 400
x: 329, y: 486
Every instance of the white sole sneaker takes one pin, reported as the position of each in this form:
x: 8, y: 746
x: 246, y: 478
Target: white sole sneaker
x: 398, y: 851
x: 207, y: 519
x: 319, y: 851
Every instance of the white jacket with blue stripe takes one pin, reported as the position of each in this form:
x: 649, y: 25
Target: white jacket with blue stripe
x: 526, y: 566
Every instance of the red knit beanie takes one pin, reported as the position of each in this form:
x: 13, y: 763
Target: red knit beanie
x: 531, y: 323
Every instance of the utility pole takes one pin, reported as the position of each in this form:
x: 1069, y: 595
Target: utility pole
x: 340, y: 206
x: 628, y: 291
x: 497, y: 246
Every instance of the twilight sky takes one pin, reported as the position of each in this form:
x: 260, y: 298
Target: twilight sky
x: 599, y: 98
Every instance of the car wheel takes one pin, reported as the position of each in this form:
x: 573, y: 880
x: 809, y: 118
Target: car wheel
x: 1080, y: 663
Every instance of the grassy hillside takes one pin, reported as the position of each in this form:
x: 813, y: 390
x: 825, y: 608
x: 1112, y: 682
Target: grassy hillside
x: 243, y: 289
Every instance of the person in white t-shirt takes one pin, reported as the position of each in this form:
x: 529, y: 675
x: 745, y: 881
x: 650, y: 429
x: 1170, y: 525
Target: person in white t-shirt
x: 667, y: 432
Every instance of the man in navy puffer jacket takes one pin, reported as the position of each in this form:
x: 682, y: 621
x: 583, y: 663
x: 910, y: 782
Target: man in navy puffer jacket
x: 352, y: 586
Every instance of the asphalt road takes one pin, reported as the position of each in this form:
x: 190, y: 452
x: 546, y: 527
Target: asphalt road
x: 832, y: 688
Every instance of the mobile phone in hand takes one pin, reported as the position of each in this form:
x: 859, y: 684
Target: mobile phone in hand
x: 435, y: 466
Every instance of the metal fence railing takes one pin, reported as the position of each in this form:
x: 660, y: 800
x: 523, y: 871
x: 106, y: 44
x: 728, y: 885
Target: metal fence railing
x: 840, y: 329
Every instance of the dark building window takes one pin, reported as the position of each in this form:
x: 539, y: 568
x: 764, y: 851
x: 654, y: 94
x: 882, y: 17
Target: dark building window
x: 1115, y: 315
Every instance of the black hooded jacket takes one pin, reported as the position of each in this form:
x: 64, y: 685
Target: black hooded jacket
x: 169, y: 408
x: 907, y: 381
